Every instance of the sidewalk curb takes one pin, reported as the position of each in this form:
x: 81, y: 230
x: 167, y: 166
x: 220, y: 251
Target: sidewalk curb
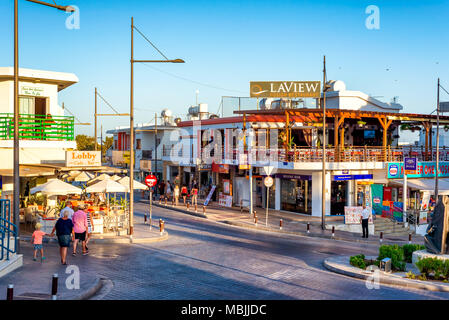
x: 265, y: 229
x: 109, y: 241
x: 98, y: 284
x: 169, y: 207
x: 383, y: 278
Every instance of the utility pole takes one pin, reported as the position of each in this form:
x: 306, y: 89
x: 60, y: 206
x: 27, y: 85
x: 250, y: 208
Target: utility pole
x: 16, y: 194
x: 131, y: 139
x: 95, y: 118
x: 438, y: 143
x: 101, y: 141
x: 323, y: 173
x: 155, y: 143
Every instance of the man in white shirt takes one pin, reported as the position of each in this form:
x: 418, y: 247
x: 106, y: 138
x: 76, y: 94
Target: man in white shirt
x: 68, y: 208
x: 366, y: 212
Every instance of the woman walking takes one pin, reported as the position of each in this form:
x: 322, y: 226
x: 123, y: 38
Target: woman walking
x: 176, y: 194
x: 184, y: 193
x: 64, y: 232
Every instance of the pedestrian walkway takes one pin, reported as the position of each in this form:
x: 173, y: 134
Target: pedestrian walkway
x: 33, y: 280
x: 291, y: 223
x: 142, y: 234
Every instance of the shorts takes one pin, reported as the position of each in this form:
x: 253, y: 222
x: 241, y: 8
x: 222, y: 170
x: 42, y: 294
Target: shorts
x: 64, y: 240
x: 80, y: 236
x: 38, y: 247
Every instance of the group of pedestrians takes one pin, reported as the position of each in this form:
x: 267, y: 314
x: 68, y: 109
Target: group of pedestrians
x: 170, y: 191
x: 74, y: 225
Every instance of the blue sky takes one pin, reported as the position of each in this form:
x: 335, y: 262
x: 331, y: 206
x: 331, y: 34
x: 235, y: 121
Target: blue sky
x: 228, y: 44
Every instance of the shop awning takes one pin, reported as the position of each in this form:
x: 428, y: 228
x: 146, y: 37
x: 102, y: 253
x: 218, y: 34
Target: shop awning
x: 29, y: 171
x: 427, y: 185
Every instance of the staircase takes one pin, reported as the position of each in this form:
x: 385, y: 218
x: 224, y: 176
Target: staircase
x: 390, y: 227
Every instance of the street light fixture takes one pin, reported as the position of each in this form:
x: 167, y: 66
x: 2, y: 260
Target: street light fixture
x: 16, y: 167
x: 131, y: 120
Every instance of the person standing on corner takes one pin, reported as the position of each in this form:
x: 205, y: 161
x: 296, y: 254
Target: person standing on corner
x: 364, y: 220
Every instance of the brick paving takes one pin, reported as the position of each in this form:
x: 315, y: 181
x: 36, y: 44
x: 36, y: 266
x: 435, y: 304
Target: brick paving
x: 203, y: 259
x: 291, y: 223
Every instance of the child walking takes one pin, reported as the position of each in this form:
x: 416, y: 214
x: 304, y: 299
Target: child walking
x: 36, y: 239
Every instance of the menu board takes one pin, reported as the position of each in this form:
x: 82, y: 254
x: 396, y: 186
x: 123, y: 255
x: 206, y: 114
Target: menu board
x: 353, y: 215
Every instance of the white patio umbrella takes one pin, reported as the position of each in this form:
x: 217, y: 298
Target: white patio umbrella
x: 84, y: 177
x: 56, y: 187
x: 137, y: 185
x: 106, y: 186
x: 116, y: 177
x: 101, y: 177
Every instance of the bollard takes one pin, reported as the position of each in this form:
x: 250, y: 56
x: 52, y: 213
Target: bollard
x: 409, y: 238
x: 255, y: 220
x: 188, y: 206
x: 280, y: 224
x: 381, y: 238
x: 196, y: 207
x: 333, y: 231
x: 54, y: 286
x: 254, y: 213
x: 204, y: 210
x: 145, y: 219
x: 165, y: 201
x: 10, y: 292
x: 308, y: 227
x: 161, y: 227
x: 160, y: 200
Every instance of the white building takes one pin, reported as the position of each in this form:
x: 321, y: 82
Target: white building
x: 45, y: 133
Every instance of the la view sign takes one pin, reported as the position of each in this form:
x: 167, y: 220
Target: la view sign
x: 83, y: 158
x: 285, y: 89
x: 423, y: 170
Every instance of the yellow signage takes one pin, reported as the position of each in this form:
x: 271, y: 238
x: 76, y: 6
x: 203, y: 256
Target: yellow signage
x: 285, y: 89
x: 83, y: 158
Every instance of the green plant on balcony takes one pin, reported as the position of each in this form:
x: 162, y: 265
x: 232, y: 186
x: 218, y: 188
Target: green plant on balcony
x: 405, y: 126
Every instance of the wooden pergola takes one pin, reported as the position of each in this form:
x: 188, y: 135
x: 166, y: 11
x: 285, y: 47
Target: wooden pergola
x: 314, y: 117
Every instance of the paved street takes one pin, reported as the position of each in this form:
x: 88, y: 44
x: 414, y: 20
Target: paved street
x: 206, y: 260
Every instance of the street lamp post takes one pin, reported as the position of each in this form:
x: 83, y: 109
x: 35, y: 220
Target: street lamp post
x: 131, y: 119
x: 16, y: 166
x: 437, y: 142
x: 323, y: 172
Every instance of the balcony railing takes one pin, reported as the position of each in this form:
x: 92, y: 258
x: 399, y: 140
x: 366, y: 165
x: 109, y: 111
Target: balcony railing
x: 37, y: 127
x: 315, y: 154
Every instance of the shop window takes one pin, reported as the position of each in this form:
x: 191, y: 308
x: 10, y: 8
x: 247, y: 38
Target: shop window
x: 138, y: 144
x: 296, y: 195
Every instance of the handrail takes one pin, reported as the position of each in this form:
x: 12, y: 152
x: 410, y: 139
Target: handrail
x: 7, y: 228
x: 38, y: 127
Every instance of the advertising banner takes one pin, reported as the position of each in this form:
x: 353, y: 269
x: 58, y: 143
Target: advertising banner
x: 377, y: 198
x: 285, y: 89
x: 423, y: 170
x: 353, y: 215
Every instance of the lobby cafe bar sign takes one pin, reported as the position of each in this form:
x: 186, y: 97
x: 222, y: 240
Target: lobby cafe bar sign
x: 285, y: 89
x: 423, y: 170
x: 83, y: 158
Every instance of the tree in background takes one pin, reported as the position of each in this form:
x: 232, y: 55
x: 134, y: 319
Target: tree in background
x: 107, y: 143
x: 84, y: 142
